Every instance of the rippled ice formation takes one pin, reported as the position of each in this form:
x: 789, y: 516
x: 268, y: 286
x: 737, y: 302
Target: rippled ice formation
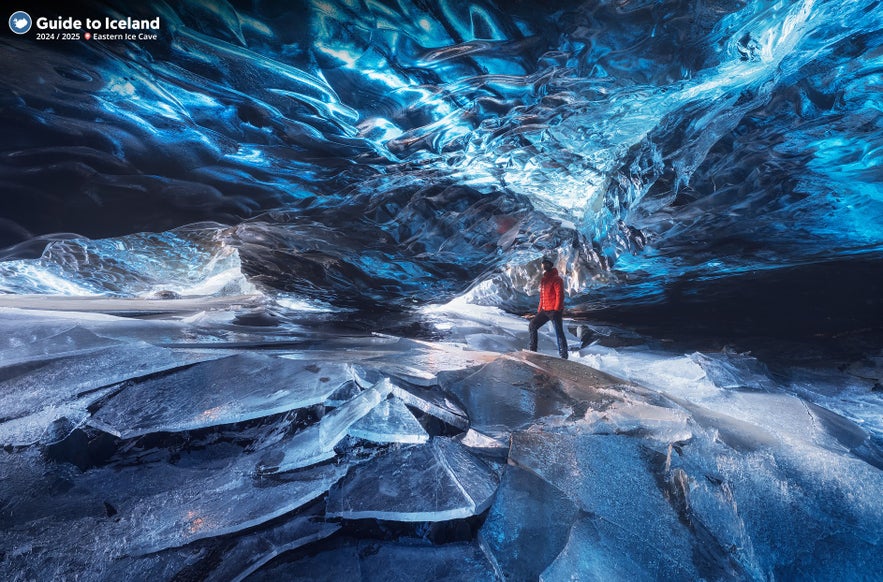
x: 418, y: 149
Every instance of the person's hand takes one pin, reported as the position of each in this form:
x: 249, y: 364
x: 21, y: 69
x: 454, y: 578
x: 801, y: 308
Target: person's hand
x: 528, y: 315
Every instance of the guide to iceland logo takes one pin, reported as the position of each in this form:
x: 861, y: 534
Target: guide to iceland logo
x: 20, y: 22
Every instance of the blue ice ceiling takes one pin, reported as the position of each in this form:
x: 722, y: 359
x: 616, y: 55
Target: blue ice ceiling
x: 406, y: 151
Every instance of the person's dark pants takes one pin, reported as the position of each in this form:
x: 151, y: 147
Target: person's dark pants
x: 539, y: 321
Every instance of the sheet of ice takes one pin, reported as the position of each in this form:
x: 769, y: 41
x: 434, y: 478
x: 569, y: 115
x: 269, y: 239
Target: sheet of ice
x: 222, y: 391
x: 613, y: 478
x: 527, y: 526
x: 25, y: 345
x: 389, y: 422
x: 252, y: 551
x: 379, y: 561
x: 342, y: 562
x: 33, y: 386
x: 419, y: 362
x: 407, y: 563
x: 663, y: 424
x: 676, y: 374
x: 494, y: 445
x: 436, y: 481
x: 728, y: 370
x: 316, y: 443
x: 596, y: 551
x: 39, y: 426
x: 221, y: 502
x: 780, y: 510
x: 433, y: 402
x: 514, y: 392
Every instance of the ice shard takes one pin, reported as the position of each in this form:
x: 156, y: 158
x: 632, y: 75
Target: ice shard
x: 232, y: 389
x: 30, y: 386
x: 436, y: 481
x: 390, y: 422
x: 434, y: 403
x: 316, y: 443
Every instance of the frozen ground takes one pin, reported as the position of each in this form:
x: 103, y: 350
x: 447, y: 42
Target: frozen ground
x: 185, y: 445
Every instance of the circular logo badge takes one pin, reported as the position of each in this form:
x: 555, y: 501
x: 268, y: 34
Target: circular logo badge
x: 20, y: 22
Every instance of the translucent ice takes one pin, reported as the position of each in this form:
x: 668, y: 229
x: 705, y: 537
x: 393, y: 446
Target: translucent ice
x: 436, y: 481
x: 254, y: 550
x: 610, y: 477
x: 389, y: 422
x: 73, y: 341
x: 223, y: 391
x: 221, y: 502
x: 514, y: 392
x: 434, y: 403
x: 527, y: 526
x: 316, y: 443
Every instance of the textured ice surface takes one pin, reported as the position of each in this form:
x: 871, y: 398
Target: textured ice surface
x: 527, y: 526
x: 316, y: 443
x: 223, y: 391
x: 27, y: 387
x: 436, y: 481
x: 390, y: 422
x: 221, y: 502
x: 252, y: 551
x: 514, y: 392
x: 434, y: 403
x: 613, y: 478
x: 72, y: 341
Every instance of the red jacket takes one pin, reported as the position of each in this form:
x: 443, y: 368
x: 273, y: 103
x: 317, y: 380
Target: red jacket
x: 551, y: 292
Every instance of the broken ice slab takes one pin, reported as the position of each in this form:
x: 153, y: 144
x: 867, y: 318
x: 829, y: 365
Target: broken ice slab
x: 378, y: 561
x: 30, y: 387
x: 69, y: 342
x: 613, y: 478
x: 41, y: 425
x: 250, y: 552
x: 527, y: 526
x: 433, y: 402
x: 727, y: 370
x: 222, y: 391
x: 514, y: 392
x: 389, y: 422
x: 316, y: 443
x: 430, y: 400
x: 597, y: 550
x: 493, y: 445
x: 419, y: 362
x: 663, y: 424
x: 436, y: 481
x: 222, y: 502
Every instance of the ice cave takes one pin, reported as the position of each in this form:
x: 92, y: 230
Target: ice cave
x: 267, y: 270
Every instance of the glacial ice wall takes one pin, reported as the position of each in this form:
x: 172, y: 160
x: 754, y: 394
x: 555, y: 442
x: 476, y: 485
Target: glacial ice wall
x: 420, y: 149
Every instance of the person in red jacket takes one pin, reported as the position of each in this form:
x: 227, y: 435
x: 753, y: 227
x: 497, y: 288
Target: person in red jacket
x: 551, y: 307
